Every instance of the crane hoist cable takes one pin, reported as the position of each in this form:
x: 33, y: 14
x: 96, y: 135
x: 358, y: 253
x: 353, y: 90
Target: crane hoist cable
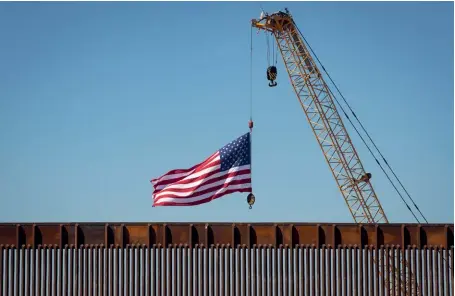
x: 271, y: 65
x: 250, y: 199
x: 271, y: 53
x: 363, y: 128
x: 251, y: 77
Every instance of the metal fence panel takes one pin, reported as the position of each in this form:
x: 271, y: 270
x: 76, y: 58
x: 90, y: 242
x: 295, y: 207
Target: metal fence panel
x: 226, y: 259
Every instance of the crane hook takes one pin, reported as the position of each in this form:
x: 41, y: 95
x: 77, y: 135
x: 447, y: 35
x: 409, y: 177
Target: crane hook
x: 250, y: 199
x: 271, y: 75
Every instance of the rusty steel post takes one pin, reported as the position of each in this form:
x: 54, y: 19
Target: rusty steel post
x: 173, y: 259
x: 133, y: 269
x: 151, y: 272
x: 28, y: 263
x: 189, y: 270
x: 45, y: 268
x: 336, y: 272
x: 309, y: 270
x: 21, y: 281
x: 291, y: 270
x: 68, y: 273
x: 7, y: 270
x: 268, y: 270
x: 425, y: 271
x: 33, y: 263
x: 244, y: 273
x: 158, y: 289
x: 234, y: 256
x: 414, y: 269
x: 352, y: 276
x: 140, y: 275
x: 237, y: 274
x: 165, y: 269
x: 2, y: 266
x: 377, y: 282
x: 322, y: 286
x: 398, y: 270
x: 228, y: 270
x: 197, y: 275
x: 217, y: 262
x: 93, y: 270
x: 329, y: 270
x: 447, y: 280
x: 222, y: 269
x: 368, y: 254
x: 252, y: 264
x: 345, y: 269
x: 298, y: 272
x: 259, y: 271
x: 431, y: 269
x: 363, y: 276
x: 452, y: 278
x: 392, y: 274
x: 355, y: 262
x: 275, y: 269
x: 179, y: 268
x: 205, y: 271
x: 214, y: 281
x: 382, y: 253
x: 421, y: 279
x: 280, y: 268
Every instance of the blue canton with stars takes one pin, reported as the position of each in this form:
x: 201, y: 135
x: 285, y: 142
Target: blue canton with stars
x: 236, y: 153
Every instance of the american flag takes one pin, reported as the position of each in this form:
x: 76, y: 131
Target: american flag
x: 226, y: 171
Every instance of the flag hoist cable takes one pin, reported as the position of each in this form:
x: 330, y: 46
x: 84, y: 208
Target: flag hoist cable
x: 251, y: 198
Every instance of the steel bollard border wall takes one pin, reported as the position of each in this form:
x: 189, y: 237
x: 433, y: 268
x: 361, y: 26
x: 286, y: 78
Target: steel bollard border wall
x: 228, y: 234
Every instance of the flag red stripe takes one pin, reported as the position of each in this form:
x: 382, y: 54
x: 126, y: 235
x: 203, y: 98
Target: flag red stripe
x: 205, y: 191
x: 207, y: 181
x: 182, y: 171
x: 211, y: 163
x: 206, y: 200
x: 189, y: 179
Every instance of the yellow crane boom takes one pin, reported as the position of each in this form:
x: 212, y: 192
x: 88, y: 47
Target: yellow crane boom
x: 317, y: 103
x: 316, y: 100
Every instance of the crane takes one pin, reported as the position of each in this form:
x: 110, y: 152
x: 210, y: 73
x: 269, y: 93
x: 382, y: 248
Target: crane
x: 319, y: 107
x: 318, y: 104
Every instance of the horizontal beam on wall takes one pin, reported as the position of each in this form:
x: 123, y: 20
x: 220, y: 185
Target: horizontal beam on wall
x: 228, y: 234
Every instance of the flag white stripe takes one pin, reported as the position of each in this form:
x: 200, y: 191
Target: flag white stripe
x: 201, y: 188
x: 204, y: 196
x: 193, y: 176
x: 195, y: 183
x: 180, y: 175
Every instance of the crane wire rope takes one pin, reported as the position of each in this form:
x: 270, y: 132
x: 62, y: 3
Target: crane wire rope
x: 358, y: 120
x: 267, y: 43
x: 361, y: 125
x: 272, y: 55
x: 251, y: 74
x: 250, y: 123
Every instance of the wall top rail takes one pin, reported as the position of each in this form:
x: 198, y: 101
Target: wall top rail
x: 228, y: 234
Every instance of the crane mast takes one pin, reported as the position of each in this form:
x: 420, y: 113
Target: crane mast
x: 317, y: 102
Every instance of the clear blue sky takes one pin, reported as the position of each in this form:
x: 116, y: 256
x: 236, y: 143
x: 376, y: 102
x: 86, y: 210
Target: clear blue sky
x: 98, y: 98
